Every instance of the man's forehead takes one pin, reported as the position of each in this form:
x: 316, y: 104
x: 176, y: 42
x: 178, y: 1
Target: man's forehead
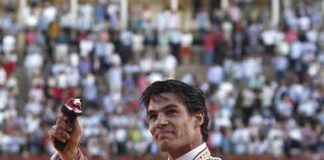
x: 160, y: 100
x: 164, y: 97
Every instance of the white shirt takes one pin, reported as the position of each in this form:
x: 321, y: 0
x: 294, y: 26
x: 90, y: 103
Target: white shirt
x: 50, y: 13
x: 296, y: 50
x: 186, y: 39
x: 85, y: 47
x: 192, y: 154
x: 9, y: 42
x: 137, y: 41
x: 215, y: 74
x: 269, y: 37
x: 3, y: 76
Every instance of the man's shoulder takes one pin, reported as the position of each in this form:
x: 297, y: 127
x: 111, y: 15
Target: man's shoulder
x: 205, y: 155
x: 208, y: 158
x: 214, y: 158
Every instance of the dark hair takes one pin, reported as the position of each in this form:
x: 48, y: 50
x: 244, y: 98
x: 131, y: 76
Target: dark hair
x: 192, y: 97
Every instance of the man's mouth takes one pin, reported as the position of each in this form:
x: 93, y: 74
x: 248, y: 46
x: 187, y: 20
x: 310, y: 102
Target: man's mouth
x: 164, y: 134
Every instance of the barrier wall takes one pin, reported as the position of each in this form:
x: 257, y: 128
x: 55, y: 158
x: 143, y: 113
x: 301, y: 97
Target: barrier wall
x: 228, y: 157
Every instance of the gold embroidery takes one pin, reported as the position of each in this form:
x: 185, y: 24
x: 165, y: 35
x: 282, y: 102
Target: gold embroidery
x: 205, y: 155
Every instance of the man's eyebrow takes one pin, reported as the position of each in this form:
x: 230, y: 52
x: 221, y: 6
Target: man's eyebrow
x: 167, y: 107
x: 170, y: 106
x: 150, y: 112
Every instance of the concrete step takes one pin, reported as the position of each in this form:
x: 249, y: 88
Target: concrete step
x: 194, y: 69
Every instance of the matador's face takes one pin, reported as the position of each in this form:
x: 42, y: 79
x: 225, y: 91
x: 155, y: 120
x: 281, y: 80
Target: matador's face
x: 173, y: 128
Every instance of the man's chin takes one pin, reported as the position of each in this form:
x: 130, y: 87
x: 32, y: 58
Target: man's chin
x: 165, y: 146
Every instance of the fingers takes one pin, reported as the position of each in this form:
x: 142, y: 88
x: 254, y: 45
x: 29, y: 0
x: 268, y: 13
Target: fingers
x: 61, y: 131
x: 62, y: 123
x: 60, y: 134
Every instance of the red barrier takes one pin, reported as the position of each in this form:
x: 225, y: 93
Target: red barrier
x: 150, y: 157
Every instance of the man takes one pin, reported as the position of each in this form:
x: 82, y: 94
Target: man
x: 177, y: 118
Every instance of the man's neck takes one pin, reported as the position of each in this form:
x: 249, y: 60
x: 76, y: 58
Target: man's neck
x: 177, y: 153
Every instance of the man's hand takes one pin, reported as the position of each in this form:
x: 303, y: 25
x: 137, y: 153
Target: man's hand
x: 71, y: 136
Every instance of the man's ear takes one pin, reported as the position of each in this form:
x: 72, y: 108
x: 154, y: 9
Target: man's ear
x: 199, y: 118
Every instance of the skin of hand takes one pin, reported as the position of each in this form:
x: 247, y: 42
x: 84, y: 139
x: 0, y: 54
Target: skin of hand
x: 71, y: 136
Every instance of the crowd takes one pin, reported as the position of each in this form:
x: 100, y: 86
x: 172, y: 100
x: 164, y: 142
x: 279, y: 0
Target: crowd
x: 264, y: 83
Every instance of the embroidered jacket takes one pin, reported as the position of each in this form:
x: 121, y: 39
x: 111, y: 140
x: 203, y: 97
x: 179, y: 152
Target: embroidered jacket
x: 205, y: 155
x: 201, y: 152
x: 80, y: 156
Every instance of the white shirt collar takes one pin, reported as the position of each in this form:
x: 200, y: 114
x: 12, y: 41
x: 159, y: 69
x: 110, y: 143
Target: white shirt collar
x: 193, y: 153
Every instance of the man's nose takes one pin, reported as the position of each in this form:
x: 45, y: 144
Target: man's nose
x: 161, y: 121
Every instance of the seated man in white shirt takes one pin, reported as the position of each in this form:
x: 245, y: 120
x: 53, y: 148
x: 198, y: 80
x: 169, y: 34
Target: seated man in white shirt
x: 177, y: 118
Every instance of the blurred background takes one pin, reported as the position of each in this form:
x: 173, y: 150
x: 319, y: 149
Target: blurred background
x: 259, y: 62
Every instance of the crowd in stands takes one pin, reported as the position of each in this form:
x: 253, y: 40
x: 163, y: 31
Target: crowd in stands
x: 264, y: 83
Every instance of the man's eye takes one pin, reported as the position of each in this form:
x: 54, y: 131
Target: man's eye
x: 171, y: 113
x: 152, y: 117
